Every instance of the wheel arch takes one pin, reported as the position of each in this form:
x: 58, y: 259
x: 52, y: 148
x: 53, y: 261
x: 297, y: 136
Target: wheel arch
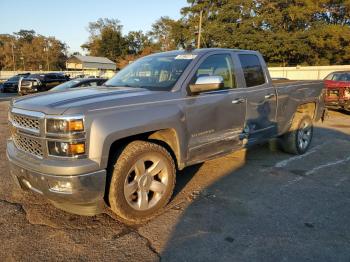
x: 167, y: 138
x: 308, y: 108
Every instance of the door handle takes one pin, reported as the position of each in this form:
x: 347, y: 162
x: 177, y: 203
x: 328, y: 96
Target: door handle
x: 238, y: 101
x: 270, y: 96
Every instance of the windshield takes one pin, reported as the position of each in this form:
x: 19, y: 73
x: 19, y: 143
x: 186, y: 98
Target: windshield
x: 14, y: 78
x: 155, y: 73
x: 339, y: 77
x: 66, y: 85
x: 41, y: 77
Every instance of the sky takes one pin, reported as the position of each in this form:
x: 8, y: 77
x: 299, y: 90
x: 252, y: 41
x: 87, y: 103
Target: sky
x: 68, y: 20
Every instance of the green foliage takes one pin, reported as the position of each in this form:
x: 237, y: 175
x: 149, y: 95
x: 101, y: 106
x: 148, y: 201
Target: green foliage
x: 137, y: 41
x: 106, y: 39
x: 289, y: 32
x: 170, y: 34
x: 25, y: 50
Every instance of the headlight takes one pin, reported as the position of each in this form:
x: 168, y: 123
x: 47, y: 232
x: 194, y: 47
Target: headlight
x: 63, y: 126
x: 61, y: 187
x: 66, y: 149
x: 347, y: 92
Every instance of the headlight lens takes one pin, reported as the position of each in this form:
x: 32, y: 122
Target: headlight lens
x: 61, y: 187
x: 347, y: 93
x: 62, y: 126
x: 66, y: 149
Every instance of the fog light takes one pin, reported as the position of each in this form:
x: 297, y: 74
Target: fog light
x: 76, y: 149
x: 61, y: 187
x: 347, y: 92
x: 66, y: 149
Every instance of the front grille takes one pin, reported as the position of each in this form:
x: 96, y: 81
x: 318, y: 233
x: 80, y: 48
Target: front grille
x: 10, y: 85
x: 26, y: 84
x: 333, y: 93
x: 29, y: 145
x: 26, y: 122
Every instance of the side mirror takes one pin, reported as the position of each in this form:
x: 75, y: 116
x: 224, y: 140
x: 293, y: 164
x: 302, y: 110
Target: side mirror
x: 207, y: 83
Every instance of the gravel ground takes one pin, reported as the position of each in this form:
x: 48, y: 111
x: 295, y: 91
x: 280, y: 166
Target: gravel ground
x: 254, y: 205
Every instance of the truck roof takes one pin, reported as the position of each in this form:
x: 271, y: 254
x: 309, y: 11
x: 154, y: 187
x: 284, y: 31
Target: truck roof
x: 201, y: 51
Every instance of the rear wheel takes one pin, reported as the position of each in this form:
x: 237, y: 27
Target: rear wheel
x: 299, y: 137
x: 142, y: 181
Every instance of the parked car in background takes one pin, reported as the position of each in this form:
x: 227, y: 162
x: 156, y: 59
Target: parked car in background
x: 41, y: 82
x: 338, y: 90
x: 85, y: 76
x: 280, y: 79
x: 11, y: 85
x: 79, y: 82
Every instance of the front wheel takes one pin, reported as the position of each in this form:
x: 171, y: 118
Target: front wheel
x: 143, y: 180
x: 298, y: 139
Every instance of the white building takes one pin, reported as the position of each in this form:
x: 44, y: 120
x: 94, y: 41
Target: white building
x: 91, y: 64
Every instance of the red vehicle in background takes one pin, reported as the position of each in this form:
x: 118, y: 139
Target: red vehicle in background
x: 338, y: 90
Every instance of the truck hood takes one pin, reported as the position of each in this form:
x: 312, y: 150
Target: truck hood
x: 11, y: 82
x: 81, y: 100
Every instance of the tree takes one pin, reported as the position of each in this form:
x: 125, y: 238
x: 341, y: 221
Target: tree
x: 137, y: 41
x: 24, y: 50
x: 286, y: 32
x: 170, y: 34
x: 25, y: 35
x: 106, y: 39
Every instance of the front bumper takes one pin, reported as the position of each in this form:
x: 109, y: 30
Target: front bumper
x: 13, y: 89
x: 81, y: 194
x: 26, y: 91
x: 338, y: 104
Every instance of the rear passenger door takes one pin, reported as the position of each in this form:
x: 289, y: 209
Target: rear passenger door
x: 261, y: 98
x: 51, y: 81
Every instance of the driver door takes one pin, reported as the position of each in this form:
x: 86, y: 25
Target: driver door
x: 215, y: 119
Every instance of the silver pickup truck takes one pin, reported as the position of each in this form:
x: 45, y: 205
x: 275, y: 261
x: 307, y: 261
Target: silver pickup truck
x: 121, y: 144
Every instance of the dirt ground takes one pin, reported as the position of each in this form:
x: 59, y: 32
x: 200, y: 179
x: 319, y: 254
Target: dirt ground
x: 254, y: 205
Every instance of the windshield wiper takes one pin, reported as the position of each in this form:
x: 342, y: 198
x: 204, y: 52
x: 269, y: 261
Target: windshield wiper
x: 120, y: 86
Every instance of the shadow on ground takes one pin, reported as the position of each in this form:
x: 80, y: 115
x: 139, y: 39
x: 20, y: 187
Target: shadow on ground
x: 274, y: 207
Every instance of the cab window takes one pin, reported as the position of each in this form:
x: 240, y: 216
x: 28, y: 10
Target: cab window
x: 218, y: 65
x: 252, y: 69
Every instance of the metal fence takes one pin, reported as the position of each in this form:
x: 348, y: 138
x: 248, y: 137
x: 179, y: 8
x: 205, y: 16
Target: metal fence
x: 306, y: 72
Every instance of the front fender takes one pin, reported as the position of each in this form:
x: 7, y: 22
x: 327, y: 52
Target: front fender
x: 108, y: 127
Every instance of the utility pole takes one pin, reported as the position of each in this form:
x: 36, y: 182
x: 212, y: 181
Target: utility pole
x: 47, y: 59
x: 23, y: 63
x: 46, y: 49
x: 13, y: 57
x: 200, y: 29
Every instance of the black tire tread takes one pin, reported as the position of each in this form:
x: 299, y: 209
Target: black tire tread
x: 288, y: 141
x: 129, y: 152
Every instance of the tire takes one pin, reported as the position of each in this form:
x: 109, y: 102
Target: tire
x: 298, y: 139
x: 142, y: 182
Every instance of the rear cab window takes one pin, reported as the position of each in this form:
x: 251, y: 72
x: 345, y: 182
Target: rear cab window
x: 252, y: 69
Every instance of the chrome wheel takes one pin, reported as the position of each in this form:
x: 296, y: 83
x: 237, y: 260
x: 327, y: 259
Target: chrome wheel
x: 304, y: 135
x: 146, y: 182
